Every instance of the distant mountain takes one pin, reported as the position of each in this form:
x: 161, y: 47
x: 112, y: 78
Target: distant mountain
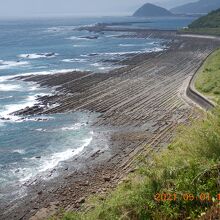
x: 212, y: 20
x: 150, y: 10
x: 199, y: 7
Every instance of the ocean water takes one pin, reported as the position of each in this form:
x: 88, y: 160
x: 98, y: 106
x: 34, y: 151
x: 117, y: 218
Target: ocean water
x: 32, y: 145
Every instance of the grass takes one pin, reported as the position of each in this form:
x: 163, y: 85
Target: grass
x: 202, y: 31
x: 188, y: 169
x: 208, y: 78
x: 190, y: 165
x: 211, y: 20
x: 208, y: 24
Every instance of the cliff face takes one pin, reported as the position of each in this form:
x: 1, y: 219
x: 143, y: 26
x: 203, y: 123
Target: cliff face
x: 150, y: 10
x: 200, y: 7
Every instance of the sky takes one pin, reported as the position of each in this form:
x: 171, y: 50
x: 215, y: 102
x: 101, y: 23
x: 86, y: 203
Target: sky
x: 32, y: 8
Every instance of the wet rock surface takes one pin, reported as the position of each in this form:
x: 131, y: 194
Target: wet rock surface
x: 140, y: 106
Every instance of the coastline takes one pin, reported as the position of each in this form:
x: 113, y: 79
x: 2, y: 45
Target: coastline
x: 139, y: 105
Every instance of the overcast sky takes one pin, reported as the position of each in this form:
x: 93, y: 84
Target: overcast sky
x: 27, y: 8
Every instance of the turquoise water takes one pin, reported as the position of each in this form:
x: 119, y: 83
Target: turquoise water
x: 32, y: 145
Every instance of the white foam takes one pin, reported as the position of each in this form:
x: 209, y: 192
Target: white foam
x: 116, y: 35
x: 49, y: 162
x: 40, y: 129
x: 39, y: 119
x: 80, y: 45
x: 156, y: 49
x: 128, y: 45
x: 119, y: 53
x: 89, y: 25
x: 84, y: 55
x: 40, y: 67
x: 76, y: 126
x: 8, y: 109
x: 31, y: 86
x: 74, y: 60
x: 49, y: 72
x: 61, y: 29
x: 20, y: 151
x: 6, y: 97
x: 152, y: 43
x: 24, y: 174
x: 55, y: 159
x: 124, y: 53
x: 54, y: 105
x: 41, y: 73
x: 96, y: 64
x: 53, y: 29
x: 35, y: 166
x: 38, y: 55
x: 106, y: 68
x: 10, y: 87
x: 77, y: 38
x: 12, y: 64
x: 5, y: 78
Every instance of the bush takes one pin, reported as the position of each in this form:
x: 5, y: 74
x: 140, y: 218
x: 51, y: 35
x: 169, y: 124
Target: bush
x: 189, y: 165
x: 208, y: 79
x: 216, y: 91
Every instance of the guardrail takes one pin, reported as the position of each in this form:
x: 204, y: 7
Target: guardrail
x: 200, y: 100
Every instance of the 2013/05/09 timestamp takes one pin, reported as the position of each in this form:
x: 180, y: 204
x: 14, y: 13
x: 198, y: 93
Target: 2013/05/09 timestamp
x: 203, y: 197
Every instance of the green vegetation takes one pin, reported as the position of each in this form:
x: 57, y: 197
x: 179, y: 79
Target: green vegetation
x: 190, y: 165
x: 208, y: 79
x: 184, y: 178
x: 212, y: 20
x: 202, y: 31
x: 182, y: 182
x: 209, y: 24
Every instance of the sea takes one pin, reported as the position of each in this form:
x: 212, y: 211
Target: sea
x: 37, y: 144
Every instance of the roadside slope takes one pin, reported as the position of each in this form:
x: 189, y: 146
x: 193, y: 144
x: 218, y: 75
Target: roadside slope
x: 207, y: 80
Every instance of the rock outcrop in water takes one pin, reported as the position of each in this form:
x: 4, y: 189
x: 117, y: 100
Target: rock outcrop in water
x: 150, y: 10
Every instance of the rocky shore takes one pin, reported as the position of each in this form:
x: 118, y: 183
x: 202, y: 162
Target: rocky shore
x: 140, y: 105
